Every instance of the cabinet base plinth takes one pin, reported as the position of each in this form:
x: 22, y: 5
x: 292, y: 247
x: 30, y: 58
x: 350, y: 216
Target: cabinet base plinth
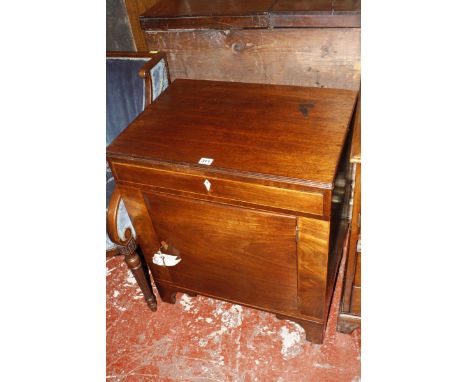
x: 167, y: 294
x: 313, y: 330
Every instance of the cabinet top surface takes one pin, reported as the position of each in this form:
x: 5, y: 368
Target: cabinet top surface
x: 261, y: 10
x: 274, y: 131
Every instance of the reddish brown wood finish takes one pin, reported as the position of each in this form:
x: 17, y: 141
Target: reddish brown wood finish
x: 268, y: 231
x: 312, y: 259
x: 302, y: 6
x: 247, y: 241
x: 355, y: 155
x: 314, y: 331
x: 316, y: 14
x: 246, y: 128
x: 346, y: 5
x: 350, y: 313
x: 223, y: 190
x: 206, y: 14
x: 221, y: 14
x: 194, y: 8
x: 316, y: 6
x: 353, y: 268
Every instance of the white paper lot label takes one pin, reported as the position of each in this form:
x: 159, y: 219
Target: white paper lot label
x: 206, y: 161
x: 165, y: 260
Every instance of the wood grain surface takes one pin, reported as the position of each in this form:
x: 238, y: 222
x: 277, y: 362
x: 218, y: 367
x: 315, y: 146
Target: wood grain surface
x: 312, y: 259
x: 269, y: 230
x: 221, y: 189
x: 305, y: 57
x: 239, y: 14
x: 222, y: 239
x: 350, y: 310
x: 281, y: 131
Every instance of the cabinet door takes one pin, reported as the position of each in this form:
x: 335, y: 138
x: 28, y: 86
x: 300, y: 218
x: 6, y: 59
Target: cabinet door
x: 233, y: 253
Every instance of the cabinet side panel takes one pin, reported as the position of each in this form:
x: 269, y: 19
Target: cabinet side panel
x: 356, y: 301
x: 312, y: 259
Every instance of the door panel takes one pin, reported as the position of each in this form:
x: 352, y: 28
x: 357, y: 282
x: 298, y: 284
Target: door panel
x: 230, y: 252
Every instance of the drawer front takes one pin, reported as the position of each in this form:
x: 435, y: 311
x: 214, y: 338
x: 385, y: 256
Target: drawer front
x: 291, y: 200
x: 232, y: 253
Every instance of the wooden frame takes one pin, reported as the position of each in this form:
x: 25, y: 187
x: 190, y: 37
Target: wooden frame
x: 218, y: 14
x: 282, y: 42
x: 145, y: 71
x: 350, y: 310
x: 254, y: 204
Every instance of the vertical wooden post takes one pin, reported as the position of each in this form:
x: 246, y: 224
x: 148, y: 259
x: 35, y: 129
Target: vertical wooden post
x: 134, y: 264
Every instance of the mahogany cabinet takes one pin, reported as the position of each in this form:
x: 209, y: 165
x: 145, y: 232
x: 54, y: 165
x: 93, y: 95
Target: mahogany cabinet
x: 237, y: 192
x: 290, y: 42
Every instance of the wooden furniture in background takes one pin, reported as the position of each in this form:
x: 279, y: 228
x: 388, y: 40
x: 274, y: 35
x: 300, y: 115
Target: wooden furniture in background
x: 305, y: 43
x: 241, y: 187
x: 350, y: 310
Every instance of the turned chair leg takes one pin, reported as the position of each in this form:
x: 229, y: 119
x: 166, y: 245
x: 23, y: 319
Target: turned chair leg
x: 134, y: 264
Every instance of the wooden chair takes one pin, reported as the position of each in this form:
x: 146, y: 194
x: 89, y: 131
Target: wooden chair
x: 133, y: 81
